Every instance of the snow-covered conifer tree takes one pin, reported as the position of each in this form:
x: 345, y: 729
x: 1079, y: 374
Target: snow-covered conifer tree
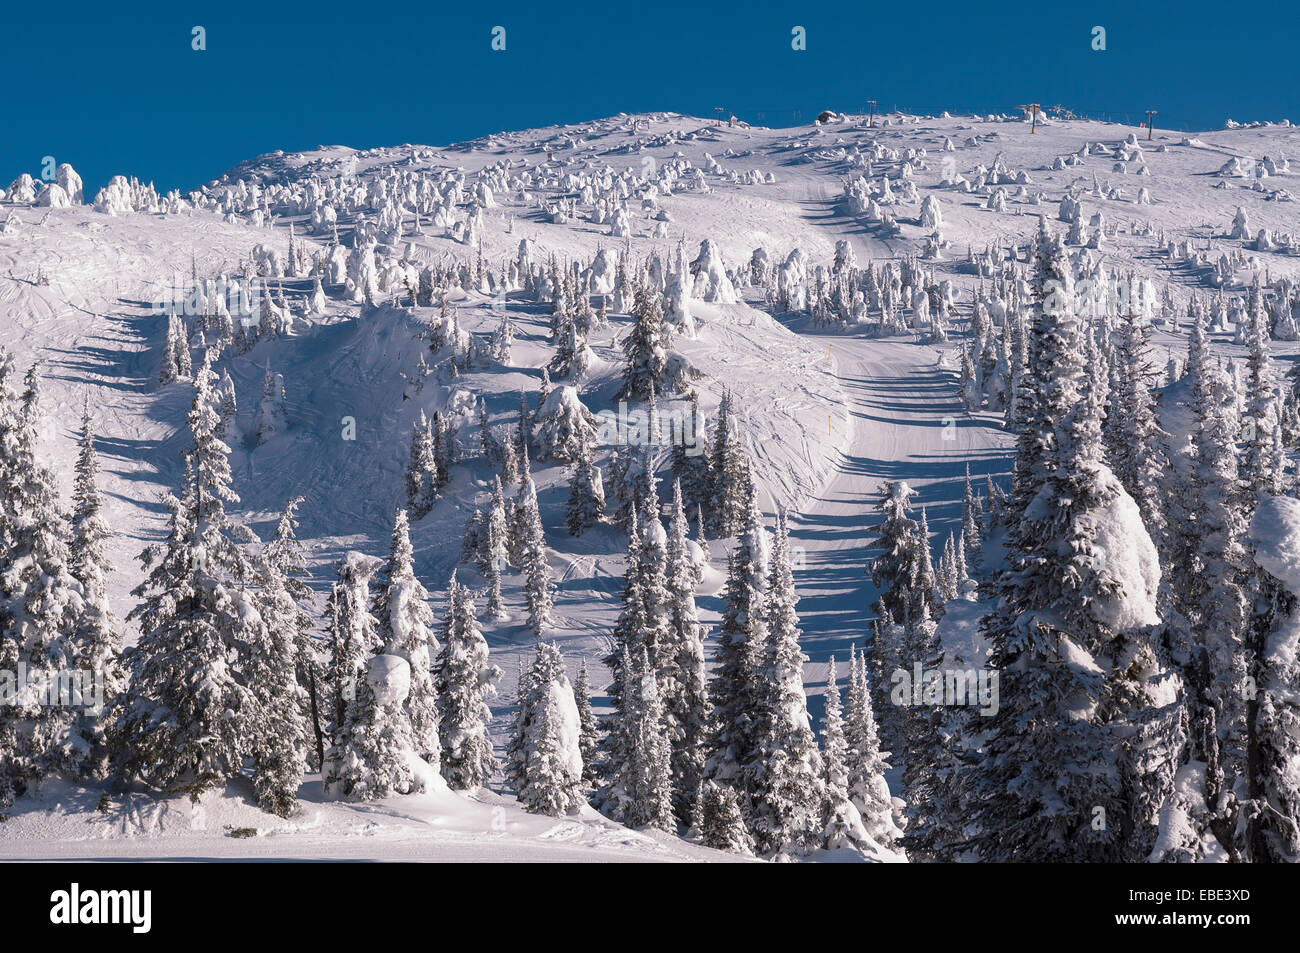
x: 1135, y: 441
x: 1064, y: 626
x: 404, y: 626
x: 868, y: 788
x: 589, y: 732
x: 1273, y: 818
x: 353, y: 631
x: 539, y: 588
x: 278, y: 726
x: 442, y: 451
x: 731, y: 487
x: 682, y: 665
x: 374, y: 752
x: 285, y: 556
x: 1217, y: 600
x: 40, y: 614
x: 636, y: 628
x: 721, y: 824
x: 184, y: 721
x: 897, y: 573
x: 1259, y: 413
x: 465, y: 680
x: 99, y: 641
x: 503, y: 340
x: 645, y: 346
x: 586, y: 504
x: 690, y: 459
x: 271, y: 418
x: 421, y: 469
x: 841, y: 822
x: 971, y: 526
x: 563, y: 426
x: 785, y: 773
x: 638, y: 790
x: 176, y: 352
x: 544, y: 758
x: 735, y: 689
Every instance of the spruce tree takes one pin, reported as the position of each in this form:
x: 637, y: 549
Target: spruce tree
x: 465, y: 680
x: 682, y: 664
x: 785, y: 772
x: 868, y: 789
x: 971, y: 525
x: 374, y: 751
x: 924, y: 589
x: 691, y: 462
x: 176, y: 352
x: 897, y: 572
x: 735, y: 690
x: 644, y: 346
x: 883, y: 657
x: 524, y: 435
x: 494, y: 545
x: 184, y: 721
x: 639, y: 790
x: 278, y: 726
x: 544, y: 762
x: 586, y: 504
x: 1273, y: 819
x: 442, y: 451
x: 588, y: 731
x: 353, y: 631
x: 1136, y: 442
x: 40, y: 616
x: 1218, y: 601
x: 404, y: 626
x: 731, y: 488
x: 421, y: 469
x: 539, y: 588
x: 271, y: 410
x: 1260, y: 416
x: 923, y: 742
x: 640, y: 626
x: 841, y: 822
x: 284, y: 555
x: 1047, y: 786
x: 721, y: 824
x: 100, y: 644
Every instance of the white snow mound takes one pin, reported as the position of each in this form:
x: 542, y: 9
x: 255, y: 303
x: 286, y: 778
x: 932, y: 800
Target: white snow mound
x: 1275, y: 531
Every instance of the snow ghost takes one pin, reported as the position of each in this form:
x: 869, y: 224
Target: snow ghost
x: 389, y: 677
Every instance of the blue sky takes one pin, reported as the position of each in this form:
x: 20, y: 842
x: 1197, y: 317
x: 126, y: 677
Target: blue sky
x: 116, y: 88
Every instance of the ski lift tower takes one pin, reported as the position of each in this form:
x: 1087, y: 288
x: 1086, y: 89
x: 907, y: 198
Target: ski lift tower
x: 719, y: 110
x: 871, y: 112
x: 1151, y: 115
x: 1032, y: 110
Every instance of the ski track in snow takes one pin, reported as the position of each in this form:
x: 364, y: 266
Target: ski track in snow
x: 908, y: 424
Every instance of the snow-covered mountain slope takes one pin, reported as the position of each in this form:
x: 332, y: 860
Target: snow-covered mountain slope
x: 826, y: 413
